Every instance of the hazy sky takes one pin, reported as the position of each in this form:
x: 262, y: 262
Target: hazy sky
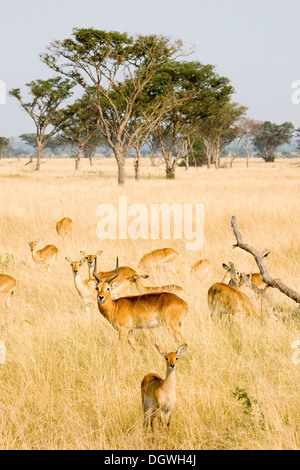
x: 255, y: 43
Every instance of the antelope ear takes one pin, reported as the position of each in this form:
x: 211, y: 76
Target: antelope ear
x: 144, y: 276
x: 82, y: 261
x: 28, y: 242
x: 182, y: 350
x: 98, y: 253
x: 83, y: 253
x: 161, y: 351
x: 92, y: 283
x: 68, y: 260
x: 114, y: 284
x: 36, y: 241
x: 133, y: 278
x: 226, y: 267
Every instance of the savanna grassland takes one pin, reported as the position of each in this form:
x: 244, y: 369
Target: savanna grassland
x: 67, y: 384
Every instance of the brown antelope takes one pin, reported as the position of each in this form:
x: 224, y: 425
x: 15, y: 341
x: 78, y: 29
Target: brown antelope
x: 137, y: 280
x: 143, y: 311
x: 201, y: 267
x: 255, y: 278
x: 164, y: 257
x: 87, y: 293
x: 124, y: 286
x: 64, y: 226
x: 46, y: 256
x: 90, y: 262
x: 226, y: 298
x: 158, y: 394
x: 7, y: 287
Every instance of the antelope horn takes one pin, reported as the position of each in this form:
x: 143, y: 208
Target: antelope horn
x: 98, y: 279
x: 111, y: 278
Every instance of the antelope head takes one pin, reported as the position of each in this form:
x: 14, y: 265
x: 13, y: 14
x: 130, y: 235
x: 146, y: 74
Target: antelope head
x: 90, y: 258
x: 104, y: 288
x: 75, y: 265
x: 172, y: 357
x: 32, y: 245
x: 233, y: 274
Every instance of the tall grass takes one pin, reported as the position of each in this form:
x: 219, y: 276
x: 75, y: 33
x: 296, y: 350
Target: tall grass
x: 66, y: 383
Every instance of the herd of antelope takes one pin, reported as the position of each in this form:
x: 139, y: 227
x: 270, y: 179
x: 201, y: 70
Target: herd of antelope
x: 126, y: 303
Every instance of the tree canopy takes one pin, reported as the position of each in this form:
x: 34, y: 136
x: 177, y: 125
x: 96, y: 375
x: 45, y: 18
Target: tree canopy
x: 270, y: 136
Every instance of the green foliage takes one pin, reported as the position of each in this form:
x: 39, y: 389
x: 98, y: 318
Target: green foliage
x: 297, y: 132
x: 242, y: 395
x: 270, y: 136
x: 29, y: 139
x: 45, y: 98
x: 4, y: 146
x: 6, y: 261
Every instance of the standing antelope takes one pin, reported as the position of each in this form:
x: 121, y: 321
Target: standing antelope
x: 226, y: 298
x: 46, y: 256
x: 7, y: 287
x: 64, y: 226
x: 159, y: 395
x: 143, y: 311
x: 164, y: 257
x: 137, y: 280
x: 87, y: 293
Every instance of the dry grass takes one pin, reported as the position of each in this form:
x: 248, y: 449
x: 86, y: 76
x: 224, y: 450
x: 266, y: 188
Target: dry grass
x: 67, y: 385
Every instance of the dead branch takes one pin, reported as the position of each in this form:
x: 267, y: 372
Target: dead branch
x: 30, y: 161
x: 258, y: 256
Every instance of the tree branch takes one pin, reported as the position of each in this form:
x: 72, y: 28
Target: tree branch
x: 258, y: 256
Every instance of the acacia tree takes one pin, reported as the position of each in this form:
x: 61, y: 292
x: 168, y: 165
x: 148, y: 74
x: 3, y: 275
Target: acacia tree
x: 96, y: 139
x: 46, y: 98
x: 106, y: 61
x: 194, y: 91
x: 270, y: 136
x: 218, y: 130
x: 248, y: 129
x: 58, y: 144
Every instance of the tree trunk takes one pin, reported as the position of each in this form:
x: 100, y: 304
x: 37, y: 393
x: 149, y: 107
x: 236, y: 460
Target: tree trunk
x: 187, y: 165
x: 121, y: 168
x: 137, y: 167
x: 208, y: 158
x: 233, y: 157
x: 170, y: 171
x: 38, y: 158
x: 77, y: 160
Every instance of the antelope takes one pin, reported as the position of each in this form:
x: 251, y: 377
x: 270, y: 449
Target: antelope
x: 159, y: 395
x: 136, y: 279
x: 90, y: 261
x: 201, y: 267
x: 7, y: 287
x: 226, y: 298
x: 164, y: 257
x: 255, y: 278
x: 46, y: 256
x: 124, y: 287
x: 87, y: 293
x: 143, y: 311
x: 64, y: 226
